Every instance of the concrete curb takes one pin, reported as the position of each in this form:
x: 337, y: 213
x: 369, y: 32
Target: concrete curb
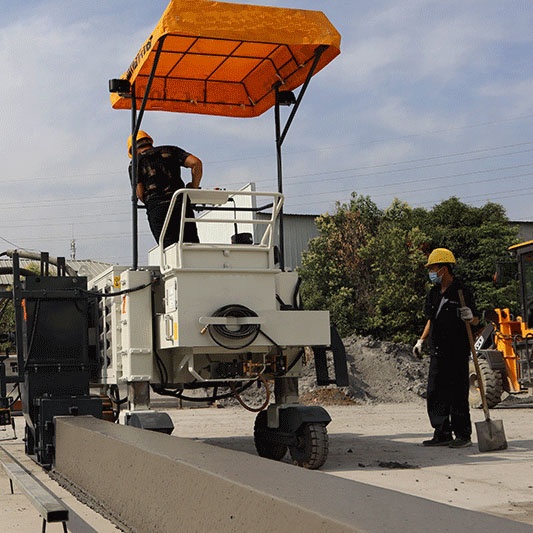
x: 155, y: 482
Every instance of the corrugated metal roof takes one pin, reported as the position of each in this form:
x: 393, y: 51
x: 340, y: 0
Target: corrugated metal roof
x: 85, y: 267
x: 298, y: 230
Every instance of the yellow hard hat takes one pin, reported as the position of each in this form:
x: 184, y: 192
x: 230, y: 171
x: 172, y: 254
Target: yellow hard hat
x: 440, y: 256
x: 140, y: 136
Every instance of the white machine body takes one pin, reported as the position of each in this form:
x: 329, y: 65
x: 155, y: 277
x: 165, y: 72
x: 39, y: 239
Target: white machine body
x: 209, y: 312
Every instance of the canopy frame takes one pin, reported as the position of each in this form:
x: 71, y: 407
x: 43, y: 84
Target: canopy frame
x: 291, y: 59
x: 280, y: 135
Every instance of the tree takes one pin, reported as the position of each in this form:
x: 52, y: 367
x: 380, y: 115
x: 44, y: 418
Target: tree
x: 398, y: 283
x: 335, y: 274
x: 478, y: 236
x: 367, y: 265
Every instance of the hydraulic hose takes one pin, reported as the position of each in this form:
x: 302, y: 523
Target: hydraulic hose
x: 264, y: 405
x: 242, y: 335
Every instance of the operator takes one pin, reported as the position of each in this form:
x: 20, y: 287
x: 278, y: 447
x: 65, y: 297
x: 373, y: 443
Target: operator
x: 158, y: 177
x: 446, y: 334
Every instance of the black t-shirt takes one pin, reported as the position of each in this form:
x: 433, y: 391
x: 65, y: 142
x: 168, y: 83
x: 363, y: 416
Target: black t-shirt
x: 160, y: 173
x: 448, y: 336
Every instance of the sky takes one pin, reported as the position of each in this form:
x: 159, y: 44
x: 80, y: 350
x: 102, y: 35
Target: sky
x: 427, y: 100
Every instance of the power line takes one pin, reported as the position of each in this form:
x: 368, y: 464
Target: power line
x: 290, y: 179
x: 321, y: 149
x: 110, y: 219
x: 11, y: 243
x: 500, y: 195
x: 390, y: 171
x: 390, y: 185
x: 95, y: 220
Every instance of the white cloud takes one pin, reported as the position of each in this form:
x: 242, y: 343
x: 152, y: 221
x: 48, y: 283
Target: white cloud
x: 415, y: 79
x: 399, y: 117
x: 514, y: 98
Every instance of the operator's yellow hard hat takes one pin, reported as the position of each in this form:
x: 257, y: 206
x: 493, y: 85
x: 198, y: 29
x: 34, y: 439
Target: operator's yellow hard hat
x: 440, y: 256
x: 140, y: 136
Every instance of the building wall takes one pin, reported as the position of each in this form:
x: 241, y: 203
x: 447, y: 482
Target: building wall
x: 525, y: 230
x: 299, y: 230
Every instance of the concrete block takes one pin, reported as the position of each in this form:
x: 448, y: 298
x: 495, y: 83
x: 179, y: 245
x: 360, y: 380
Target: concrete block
x: 159, y: 483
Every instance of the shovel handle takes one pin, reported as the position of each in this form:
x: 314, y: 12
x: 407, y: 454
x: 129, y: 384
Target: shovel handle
x: 475, y: 358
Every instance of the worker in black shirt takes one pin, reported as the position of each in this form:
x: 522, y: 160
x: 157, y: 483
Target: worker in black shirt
x: 446, y: 334
x: 158, y: 177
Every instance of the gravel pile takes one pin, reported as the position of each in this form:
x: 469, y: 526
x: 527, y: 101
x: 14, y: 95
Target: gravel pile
x: 379, y: 372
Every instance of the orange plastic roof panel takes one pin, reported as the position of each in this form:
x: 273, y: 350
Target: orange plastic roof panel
x: 235, y: 69
x: 179, y: 43
x: 167, y: 64
x: 255, y: 49
x: 224, y: 59
x: 216, y: 47
x: 196, y: 67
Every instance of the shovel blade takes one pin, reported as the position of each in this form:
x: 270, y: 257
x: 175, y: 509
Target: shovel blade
x: 490, y: 436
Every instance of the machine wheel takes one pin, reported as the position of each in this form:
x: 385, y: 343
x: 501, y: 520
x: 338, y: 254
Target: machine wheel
x: 312, y: 449
x: 492, y: 384
x: 264, y: 447
x: 29, y: 444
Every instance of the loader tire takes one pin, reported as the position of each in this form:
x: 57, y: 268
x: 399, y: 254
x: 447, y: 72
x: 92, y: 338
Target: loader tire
x: 312, y: 449
x: 265, y: 447
x: 492, y: 383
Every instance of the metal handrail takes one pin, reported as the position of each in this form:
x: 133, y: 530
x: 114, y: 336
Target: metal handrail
x: 219, y: 198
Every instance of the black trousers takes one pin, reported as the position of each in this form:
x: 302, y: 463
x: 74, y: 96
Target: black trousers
x: 447, y: 396
x: 156, y: 219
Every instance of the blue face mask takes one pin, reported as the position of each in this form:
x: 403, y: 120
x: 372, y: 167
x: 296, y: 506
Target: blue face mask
x: 434, y: 278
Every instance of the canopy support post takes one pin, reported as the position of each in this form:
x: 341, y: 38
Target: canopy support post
x: 279, y: 143
x: 134, y: 181
x: 280, y: 137
x: 135, y: 126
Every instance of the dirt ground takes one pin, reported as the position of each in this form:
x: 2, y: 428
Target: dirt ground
x: 378, y: 423
x: 380, y: 444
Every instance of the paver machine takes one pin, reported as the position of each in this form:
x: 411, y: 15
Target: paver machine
x: 222, y: 314
x: 505, y: 347
x: 200, y: 321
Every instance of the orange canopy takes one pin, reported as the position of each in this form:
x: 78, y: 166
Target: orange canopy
x: 223, y: 59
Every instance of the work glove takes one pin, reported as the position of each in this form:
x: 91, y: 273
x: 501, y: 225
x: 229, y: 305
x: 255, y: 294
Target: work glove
x: 465, y: 313
x: 417, y: 348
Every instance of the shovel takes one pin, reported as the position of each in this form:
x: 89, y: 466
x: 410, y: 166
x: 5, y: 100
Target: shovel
x: 490, y: 433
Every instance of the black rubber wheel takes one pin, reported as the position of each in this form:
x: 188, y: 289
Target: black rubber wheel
x: 29, y: 445
x: 264, y: 447
x: 492, y: 384
x: 312, y: 449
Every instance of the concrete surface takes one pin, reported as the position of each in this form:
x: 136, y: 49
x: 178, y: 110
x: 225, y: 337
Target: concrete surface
x: 159, y: 483
x: 17, y: 514
x: 381, y: 445
x: 377, y: 445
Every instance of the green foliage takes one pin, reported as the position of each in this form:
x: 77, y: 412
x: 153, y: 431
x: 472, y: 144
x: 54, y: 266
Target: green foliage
x: 478, y: 236
x: 337, y: 277
x: 367, y: 265
x: 7, y: 320
x: 398, y: 276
